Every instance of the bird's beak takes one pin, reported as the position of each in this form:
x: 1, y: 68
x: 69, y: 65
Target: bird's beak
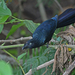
x: 25, y: 46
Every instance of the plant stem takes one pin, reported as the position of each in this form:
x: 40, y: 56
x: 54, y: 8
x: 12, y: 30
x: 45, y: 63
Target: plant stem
x: 16, y: 60
x: 20, y: 45
x: 11, y: 46
x: 17, y: 18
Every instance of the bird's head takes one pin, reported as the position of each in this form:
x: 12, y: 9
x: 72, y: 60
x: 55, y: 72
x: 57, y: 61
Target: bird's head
x: 29, y: 44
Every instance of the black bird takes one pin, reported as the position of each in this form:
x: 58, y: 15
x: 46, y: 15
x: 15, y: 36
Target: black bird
x: 44, y: 32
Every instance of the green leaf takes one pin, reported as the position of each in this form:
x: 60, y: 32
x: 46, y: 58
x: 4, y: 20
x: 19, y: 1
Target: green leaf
x: 34, y: 65
x: 13, y: 29
x: 1, y: 27
x: 3, y: 4
x: 33, y: 53
x: 29, y: 61
x: 3, y: 9
x: 28, y: 54
x: 59, y: 39
x: 46, y: 50
x: 30, y: 25
x: 3, y: 18
x: 43, y: 59
x: 5, y: 68
x: 20, y: 56
x: 4, y: 12
x: 13, y: 20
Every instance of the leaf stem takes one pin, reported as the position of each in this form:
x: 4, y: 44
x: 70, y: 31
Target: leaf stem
x: 16, y: 60
x: 17, y: 18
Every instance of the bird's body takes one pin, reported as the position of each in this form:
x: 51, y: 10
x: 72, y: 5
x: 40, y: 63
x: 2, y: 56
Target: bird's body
x: 44, y: 32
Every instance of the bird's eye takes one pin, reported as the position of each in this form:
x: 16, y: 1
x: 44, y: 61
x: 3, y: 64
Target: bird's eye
x: 30, y: 43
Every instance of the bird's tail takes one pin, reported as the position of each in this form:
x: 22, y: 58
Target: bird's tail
x: 66, y: 18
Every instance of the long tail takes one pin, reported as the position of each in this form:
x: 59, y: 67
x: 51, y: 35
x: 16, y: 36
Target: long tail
x: 66, y: 18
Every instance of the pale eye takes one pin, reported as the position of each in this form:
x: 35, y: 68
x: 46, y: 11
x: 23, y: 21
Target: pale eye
x: 30, y: 43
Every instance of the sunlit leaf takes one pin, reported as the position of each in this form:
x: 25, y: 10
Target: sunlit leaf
x: 3, y: 18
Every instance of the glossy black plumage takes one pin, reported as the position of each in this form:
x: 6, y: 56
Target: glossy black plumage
x: 66, y: 18
x: 44, y: 32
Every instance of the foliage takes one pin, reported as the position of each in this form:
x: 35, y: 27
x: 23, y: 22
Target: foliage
x: 38, y: 58
x: 4, y: 14
x: 5, y: 68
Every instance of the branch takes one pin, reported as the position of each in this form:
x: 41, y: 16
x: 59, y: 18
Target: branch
x: 22, y: 39
x: 21, y: 45
x: 16, y: 40
x: 41, y: 66
x: 56, y: 46
x: 70, y: 68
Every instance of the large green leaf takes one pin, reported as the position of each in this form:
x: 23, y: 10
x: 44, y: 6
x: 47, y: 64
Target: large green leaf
x: 30, y: 25
x: 1, y: 27
x: 3, y: 18
x: 4, y: 12
x: 5, y: 68
x: 3, y: 9
x: 13, y: 29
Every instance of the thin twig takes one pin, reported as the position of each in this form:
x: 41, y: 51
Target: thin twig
x: 59, y: 5
x: 16, y: 40
x: 70, y: 68
x: 22, y: 39
x: 56, y: 46
x: 41, y: 66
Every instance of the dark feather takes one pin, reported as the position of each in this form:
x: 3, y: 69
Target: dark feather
x: 42, y: 34
x: 66, y: 18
